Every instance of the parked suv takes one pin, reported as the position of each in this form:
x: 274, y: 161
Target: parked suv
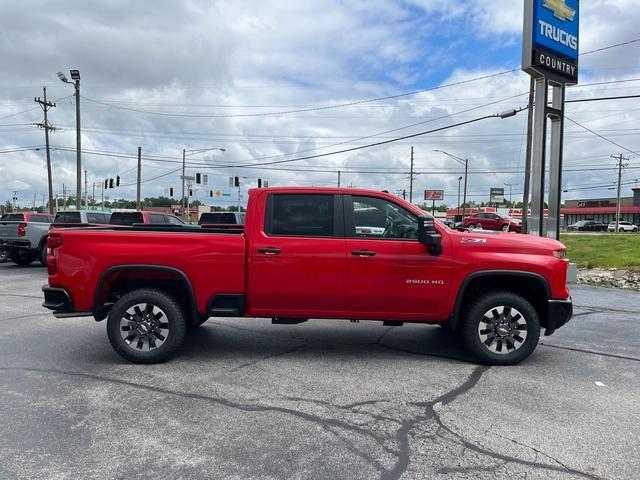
x: 622, y: 227
x: 492, y: 221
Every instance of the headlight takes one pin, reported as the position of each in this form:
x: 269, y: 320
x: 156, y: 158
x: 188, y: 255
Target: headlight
x: 562, y: 253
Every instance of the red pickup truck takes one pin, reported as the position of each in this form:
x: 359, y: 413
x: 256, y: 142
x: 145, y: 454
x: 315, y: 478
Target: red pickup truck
x: 312, y: 253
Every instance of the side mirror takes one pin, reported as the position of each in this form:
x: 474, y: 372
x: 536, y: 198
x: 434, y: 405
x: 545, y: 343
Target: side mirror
x: 429, y: 236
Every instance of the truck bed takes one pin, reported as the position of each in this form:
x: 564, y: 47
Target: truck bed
x: 213, y: 262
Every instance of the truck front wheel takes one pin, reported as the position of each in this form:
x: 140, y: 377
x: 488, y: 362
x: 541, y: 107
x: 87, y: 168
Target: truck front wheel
x: 501, y: 328
x: 146, y: 326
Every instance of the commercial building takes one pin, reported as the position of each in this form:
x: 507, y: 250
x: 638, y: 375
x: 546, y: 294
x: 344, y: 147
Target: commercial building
x: 602, y: 209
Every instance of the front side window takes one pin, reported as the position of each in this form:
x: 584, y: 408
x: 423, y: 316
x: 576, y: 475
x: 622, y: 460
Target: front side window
x: 173, y: 220
x: 381, y: 219
x: 300, y: 215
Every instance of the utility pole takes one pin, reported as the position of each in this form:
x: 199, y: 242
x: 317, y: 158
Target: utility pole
x: 138, y: 206
x: 64, y: 197
x: 86, y: 196
x: 46, y: 126
x: 102, y: 200
x: 43, y: 204
x: 184, y: 154
x: 33, y: 207
x: 411, y: 179
x: 527, y: 163
x: 621, y: 165
x: 339, y: 172
x: 93, y: 197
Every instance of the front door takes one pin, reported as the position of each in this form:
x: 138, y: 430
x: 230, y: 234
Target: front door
x: 390, y: 274
x: 298, y: 260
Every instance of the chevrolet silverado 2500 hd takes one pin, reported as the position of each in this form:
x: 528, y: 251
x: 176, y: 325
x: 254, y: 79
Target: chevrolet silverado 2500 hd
x: 312, y: 253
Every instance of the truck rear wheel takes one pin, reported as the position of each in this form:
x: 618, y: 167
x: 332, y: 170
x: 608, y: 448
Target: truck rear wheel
x: 20, y: 257
x: 43, y: 254
x: 501, y: 328
x: 146, y: 326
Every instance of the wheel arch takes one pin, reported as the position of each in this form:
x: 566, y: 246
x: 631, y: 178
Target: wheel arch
x: 122, y: 278
x: 531, y: 286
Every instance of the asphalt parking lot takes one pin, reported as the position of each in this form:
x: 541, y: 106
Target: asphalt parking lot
x: 323, y: 399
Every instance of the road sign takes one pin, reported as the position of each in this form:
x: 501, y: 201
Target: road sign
x: 496, y: 195
x: 434, y: 194
x: 218, y: 193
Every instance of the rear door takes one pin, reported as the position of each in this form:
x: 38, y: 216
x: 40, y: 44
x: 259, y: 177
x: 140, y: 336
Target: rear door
x: 297, y: 259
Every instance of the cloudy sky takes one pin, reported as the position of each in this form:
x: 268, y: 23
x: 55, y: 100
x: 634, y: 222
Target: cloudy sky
x: 273, y: 81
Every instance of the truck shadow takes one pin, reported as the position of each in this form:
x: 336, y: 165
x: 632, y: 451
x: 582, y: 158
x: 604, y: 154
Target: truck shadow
x: 257, y: 338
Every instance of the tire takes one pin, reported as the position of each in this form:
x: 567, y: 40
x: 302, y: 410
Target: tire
x: 21, y: 258
x: 42, y: 257
x: 471, y: 226
x: 621, y: 230
x: 4, y: 256
x: 151, y: 340
x: 634, y: 230
x: 505, y: 227
x: 520, y: 331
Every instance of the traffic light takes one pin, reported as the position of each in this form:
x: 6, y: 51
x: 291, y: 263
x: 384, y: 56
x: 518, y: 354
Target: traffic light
x: 111, y: 183
x: 198, y: 179
x: 171, y: 191
x: 118, y: 181
x: 190, y: 193
x: 106, y: 183
x: 259, y: 183
x: 211, y: 193
x: 236, y: 181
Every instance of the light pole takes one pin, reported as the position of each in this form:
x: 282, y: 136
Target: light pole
x: 458, y: 207
x: 75, y: 75
x: 509, y: 185
x: 465, y: 162
x: 186, y: 153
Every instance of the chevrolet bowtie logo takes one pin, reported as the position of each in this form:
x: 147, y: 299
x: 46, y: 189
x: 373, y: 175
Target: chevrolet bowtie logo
x: 560, y: 9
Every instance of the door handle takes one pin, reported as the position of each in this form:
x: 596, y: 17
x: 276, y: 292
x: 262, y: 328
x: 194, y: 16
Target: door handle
x: 363, y: 253
x: 269, y: 250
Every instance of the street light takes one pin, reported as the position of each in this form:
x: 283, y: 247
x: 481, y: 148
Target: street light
x: 183, y: 177
x: 458, y: 207
x: 75, y: 76
x: 509, y: 185
x: 465, y: 162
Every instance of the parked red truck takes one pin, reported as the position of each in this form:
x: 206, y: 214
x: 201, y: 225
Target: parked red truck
x: 312, y: 253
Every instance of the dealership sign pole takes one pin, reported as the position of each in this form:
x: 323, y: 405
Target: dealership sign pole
x: 550, y: 56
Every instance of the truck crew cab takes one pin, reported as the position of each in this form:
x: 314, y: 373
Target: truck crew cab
x: 312, y: 253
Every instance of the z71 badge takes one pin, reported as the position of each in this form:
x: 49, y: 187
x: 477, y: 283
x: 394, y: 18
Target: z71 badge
x: 473, y: 240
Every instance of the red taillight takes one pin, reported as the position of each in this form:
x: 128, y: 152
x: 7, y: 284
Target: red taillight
x: 53, y: 242
x: 21, y: 227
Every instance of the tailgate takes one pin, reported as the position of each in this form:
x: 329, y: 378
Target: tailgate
x: 9, y: 230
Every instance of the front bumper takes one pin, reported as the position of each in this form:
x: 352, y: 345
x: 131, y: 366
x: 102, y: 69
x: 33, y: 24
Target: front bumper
x: 559, y: 313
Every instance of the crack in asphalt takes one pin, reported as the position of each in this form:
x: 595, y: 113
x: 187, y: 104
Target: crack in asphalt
x: 591, y: 352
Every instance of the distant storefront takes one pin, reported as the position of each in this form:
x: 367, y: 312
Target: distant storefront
x: 598, y: 209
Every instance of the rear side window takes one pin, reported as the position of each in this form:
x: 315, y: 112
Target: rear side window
x: 300, y: 215
x: 156, y: 218
x: 67, y: 217
x: 126, y: 218
x: 97, y: 218
x: 13, y: 217
x: 40, y: 218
